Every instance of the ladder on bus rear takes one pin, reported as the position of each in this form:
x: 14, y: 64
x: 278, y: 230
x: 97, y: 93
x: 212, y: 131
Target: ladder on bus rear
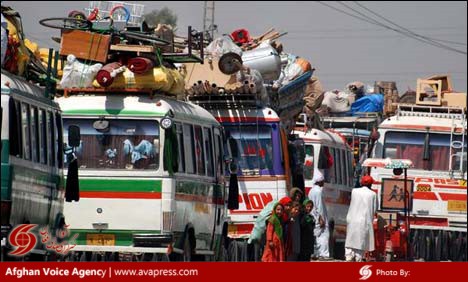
x: 457, y: 147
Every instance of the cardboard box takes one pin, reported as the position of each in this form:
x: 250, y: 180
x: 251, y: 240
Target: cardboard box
x: 85, y: 45
x: 454, y: 100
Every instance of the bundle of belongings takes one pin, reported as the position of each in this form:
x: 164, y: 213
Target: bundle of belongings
x: 357, y: 98
x: 241, y: 64
x: 116, y: 58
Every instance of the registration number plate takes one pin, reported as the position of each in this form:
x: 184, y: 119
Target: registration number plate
x: 100, y: 239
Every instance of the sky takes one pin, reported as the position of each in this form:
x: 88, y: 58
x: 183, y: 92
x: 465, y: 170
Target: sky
x: 336, y: 37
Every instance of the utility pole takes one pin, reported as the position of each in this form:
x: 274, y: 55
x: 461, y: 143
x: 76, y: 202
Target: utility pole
x: 208, y: 20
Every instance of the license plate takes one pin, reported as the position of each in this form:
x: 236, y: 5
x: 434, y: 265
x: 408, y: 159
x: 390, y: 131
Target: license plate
x: 100, y: 239
x: 456, y: 206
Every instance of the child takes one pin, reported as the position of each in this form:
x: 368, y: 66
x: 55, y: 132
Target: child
x: 307, y: 232
x: 274, y: 249
x: 292, y: 245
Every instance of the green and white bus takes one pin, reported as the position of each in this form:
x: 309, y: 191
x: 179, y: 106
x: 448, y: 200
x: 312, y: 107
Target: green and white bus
x: 151, y: 176
x: 32, y: 189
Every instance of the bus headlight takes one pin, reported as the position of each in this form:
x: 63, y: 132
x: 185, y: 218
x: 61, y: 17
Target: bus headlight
x: 166, y: 123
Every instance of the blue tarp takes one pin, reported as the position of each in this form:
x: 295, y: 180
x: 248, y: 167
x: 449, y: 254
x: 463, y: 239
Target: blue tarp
x: 368, y: 103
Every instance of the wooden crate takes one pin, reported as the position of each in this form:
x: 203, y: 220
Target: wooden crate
x: 85, y: 45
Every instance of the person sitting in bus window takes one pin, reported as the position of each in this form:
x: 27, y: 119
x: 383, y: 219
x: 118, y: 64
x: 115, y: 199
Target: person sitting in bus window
x: 274, y: 247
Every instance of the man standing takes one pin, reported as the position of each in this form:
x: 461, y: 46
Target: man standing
x: 359, y: 231
x: 321, y: 232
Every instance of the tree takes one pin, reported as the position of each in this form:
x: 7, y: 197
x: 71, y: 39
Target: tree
x: 163, y: 16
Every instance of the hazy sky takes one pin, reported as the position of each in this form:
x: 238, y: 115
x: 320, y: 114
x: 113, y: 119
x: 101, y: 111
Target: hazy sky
x: 342, y: 48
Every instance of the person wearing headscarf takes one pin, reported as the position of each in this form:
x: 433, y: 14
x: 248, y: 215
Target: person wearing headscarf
x: 307, y: 231
x: 359, y: 230
x: 292, y: 245
x: 321, y: 232
x: 274, y: 247
x: 296, y: 195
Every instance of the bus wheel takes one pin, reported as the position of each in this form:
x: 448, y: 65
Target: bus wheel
x: 189, y: 245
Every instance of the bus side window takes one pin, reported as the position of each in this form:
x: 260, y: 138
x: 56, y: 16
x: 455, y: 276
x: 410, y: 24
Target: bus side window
x: 199, y: 151
x: 43, y: 139
x: 25, y: 122
x: 59, y: 140
x: 16, y: 140
x: 34, y: 134
x: 180, y: 146
x: 218, y: 170
x: 189, y: 148
x: 208, y: 141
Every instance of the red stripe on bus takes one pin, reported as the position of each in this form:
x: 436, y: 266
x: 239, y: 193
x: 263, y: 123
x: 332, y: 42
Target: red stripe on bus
x: 246, y: 119
x: 450, y: 186
x: 121, y: 195
x: 431, y: 221
x: 452, y: 197
x: 424, y: 196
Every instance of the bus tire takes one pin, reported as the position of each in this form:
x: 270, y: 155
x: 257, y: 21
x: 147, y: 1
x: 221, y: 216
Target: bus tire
x: 189, y: 245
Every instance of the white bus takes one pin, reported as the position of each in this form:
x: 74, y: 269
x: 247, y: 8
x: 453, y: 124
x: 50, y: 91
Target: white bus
x: 328, y: 152
x: 32, y: 190
x: 151, y: 175
x: 434, y: 139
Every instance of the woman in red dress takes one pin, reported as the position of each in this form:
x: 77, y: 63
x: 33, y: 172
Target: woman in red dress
x: 274, y: 248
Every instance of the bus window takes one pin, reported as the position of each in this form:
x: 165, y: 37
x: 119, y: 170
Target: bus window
x: 189, y: 148
x: 51, y: 141
x: 199, y: 151
x: 125, y: 144
x: 58, y: 123
x: 34, y: 134
x: 15, y: 131
x: 25, y: 122
x: 309, y: 162
x: 208, y: 141
x: 255, y: 147
x: 219, y: 157
x: 43, y: 139
x: 410, y: 145
x: 180, y: 146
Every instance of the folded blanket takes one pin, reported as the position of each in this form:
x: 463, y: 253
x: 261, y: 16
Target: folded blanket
x: 105, y: 76
x: 140, y: 65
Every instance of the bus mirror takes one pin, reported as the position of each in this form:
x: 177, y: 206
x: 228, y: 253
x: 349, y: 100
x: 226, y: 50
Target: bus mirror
x: 74, y: 136
x: 233, y: 147
x: 72, y: 189
x: 427, y: 153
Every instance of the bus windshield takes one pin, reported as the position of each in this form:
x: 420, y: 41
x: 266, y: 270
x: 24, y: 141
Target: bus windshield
x: 410, y: 145
x: 252, y: 148
x: 125, y: 144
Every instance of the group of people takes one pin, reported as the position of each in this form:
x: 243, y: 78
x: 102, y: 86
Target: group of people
x: 297, y: 229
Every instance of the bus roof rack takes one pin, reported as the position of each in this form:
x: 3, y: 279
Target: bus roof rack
x: 430, y: 111
x: 226, y: 101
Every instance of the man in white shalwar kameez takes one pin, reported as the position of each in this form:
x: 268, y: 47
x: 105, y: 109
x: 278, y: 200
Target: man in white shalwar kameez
x: 321, y: 232
x: 360, y: 231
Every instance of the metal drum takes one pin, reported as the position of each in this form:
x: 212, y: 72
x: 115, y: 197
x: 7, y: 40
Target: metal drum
x: 266, y: 60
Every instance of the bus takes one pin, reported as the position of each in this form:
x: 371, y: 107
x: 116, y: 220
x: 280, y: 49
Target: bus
x: 32, y: 190
x: 328, y: 152
x: 434, y: 139
x: 151, y: 176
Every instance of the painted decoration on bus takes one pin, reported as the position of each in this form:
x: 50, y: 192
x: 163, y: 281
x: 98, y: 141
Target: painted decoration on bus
x: 253, y: 202
x: 393, y: 194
